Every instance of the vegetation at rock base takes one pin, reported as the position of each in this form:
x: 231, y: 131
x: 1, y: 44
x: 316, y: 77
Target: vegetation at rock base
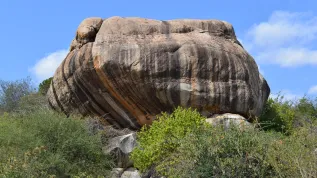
x: 283, y: 145
x: 38, y: 142
x: 45, y: 143
x: 164, y: 136
x: 235, y: 153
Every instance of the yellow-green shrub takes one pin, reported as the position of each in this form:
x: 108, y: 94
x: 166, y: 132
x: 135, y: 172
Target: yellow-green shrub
x: 164, y: 136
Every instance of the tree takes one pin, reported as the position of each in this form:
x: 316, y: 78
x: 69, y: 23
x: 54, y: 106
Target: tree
x: 45, y: 85
x: 11, y: 93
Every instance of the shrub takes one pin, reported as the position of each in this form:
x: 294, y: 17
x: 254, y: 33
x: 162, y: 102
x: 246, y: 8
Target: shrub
x: 183, y: 145
x: 278, y: 115
x: 164, y: 136
x: 234, y: 153
x: 44, y: 143
x: 31, y: 103
x: 45, y: 85
x: 215, y: 152
x: 306, y: 111
x: 285, y: 115
x: 296, y: 155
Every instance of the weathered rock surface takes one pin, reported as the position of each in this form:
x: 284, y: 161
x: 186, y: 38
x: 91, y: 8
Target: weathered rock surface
x: 228, y: 120
x: 125, y: 173
x: 131, y: 173
x: 121, y: 147
x: 127, y: 70
x: 116, y: 172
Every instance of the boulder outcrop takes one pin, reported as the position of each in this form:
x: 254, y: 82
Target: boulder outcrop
x: 128, y: 70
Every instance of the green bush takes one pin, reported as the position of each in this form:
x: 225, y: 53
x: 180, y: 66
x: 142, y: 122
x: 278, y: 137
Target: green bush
x: 215, y: 152
x: 184, y: 145
x: 236, y: 153
x: 278, y: 115
x: 164, y: 136
x: 306, y: 111
x: 45, y: 85
x: 285, y: 115
x: 45, y: 143
x: 296, y: 154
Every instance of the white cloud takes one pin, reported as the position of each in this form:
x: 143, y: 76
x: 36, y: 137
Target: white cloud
x: 283, y: 28
x: 313, y: 90
x: 289, y: 57
x: 46, y: 66
x: 284, y: 39
x: 287, y: 95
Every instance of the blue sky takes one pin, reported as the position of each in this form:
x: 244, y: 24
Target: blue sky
x: 281, y: 35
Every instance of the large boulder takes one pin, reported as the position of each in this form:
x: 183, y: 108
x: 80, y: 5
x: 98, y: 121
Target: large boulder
x: 128, y: 70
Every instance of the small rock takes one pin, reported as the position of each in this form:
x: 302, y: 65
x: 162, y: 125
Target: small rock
x: 116, y: 172
x: 121, y: 147
x: 228, y: 119
x: 131, y: 173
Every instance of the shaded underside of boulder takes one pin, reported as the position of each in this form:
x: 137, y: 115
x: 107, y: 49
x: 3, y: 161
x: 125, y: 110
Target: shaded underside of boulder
x: 128, y: 70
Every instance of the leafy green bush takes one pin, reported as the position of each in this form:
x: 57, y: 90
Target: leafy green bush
x: 305, y: 111
x: 278, y: 115
x: 296, y: 154
x: 45, y: 85
x: 164, y: 136
x: 285, y: 115
x: 307, y: 106
x: 215, y: 152
x: 183, y: 145
x: 45, y: 143
x: 236, y: 153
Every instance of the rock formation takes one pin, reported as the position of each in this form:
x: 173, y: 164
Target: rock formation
x: 128, y: 70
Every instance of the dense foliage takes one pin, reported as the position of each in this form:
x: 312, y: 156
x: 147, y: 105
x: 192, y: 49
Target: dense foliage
x: 178, y: 147
x: 38, y: 142
x: 284, y: 115
x: 164, y: 136
x: 235, y: 153
x: 278, y: 115
x: 45, y: 143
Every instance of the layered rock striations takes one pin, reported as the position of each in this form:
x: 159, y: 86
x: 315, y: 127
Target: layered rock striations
x: 128, y: 70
